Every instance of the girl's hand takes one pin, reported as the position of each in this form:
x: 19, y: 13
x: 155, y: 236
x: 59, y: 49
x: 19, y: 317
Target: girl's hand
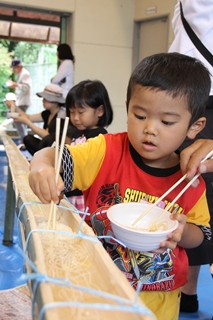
x: 174, y: 237
x: 22, y: 118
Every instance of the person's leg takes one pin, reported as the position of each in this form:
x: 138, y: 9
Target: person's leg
x: 21, y: 128
x: 189, y: 301
x: 31, y: 143
x: 47, y: 141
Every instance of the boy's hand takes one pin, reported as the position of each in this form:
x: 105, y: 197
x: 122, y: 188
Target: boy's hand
x: 42, y: 176
x: 174, y: 237
x: 43, y: 184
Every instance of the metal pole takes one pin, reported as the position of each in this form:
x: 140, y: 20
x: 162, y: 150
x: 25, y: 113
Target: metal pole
x: 9, y: 211
x: 63, y: 32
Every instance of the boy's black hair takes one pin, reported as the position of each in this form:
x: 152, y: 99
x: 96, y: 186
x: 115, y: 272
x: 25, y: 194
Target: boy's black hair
x: 94, y: 94
x: 178, y: 75
x: 65, y: 52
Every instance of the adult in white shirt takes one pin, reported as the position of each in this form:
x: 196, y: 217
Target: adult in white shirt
x: 65, y: 74
x: 199, y: 15
x: 22, y: 87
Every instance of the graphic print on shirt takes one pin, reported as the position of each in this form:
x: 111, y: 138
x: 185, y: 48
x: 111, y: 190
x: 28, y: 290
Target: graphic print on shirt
x: 152, y: 269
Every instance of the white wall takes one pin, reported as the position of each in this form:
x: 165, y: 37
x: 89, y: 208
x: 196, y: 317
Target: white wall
x: 102, y: 43
x: 162, y: 8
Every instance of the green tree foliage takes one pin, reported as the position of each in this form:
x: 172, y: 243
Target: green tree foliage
x: 31, y: 53
x: 5, y: 58
x: 10, y: 45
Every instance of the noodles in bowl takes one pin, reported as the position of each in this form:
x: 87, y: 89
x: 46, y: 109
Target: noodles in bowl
x: 139, y: 237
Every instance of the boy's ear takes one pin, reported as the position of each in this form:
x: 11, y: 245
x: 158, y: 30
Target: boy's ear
x: 196, y: 127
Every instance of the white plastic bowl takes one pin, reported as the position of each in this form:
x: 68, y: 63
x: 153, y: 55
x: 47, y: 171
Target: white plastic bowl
x: 13, y: 114
x: 122, y: 215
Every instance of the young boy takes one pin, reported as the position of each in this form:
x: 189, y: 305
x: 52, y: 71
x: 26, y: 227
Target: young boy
x: 166, y: 99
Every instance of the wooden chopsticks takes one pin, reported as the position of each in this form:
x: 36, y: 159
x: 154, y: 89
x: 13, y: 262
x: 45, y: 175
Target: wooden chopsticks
x: 58, y: 156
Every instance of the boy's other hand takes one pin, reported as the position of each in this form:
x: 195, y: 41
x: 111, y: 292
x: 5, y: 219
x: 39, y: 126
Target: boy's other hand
x: 175, y: 236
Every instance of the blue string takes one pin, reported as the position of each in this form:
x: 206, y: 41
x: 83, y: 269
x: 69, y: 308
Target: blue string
x: 38, y: 277
x: 80, y: 234
x: 111, y: 237
x: 66, y: 283
x: 59, y: 206
x: 99, y: 306
x: 74, y: 208
x: 82, y: 220
x: 26, y: 258
x: 138, y: 290
x: 75, y: 235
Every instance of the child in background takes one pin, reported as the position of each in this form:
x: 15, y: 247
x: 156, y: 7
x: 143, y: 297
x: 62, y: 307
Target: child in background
x: 52, y: 98
x: 9, y: 100
x: 89, y: 109
x: 166, y: 98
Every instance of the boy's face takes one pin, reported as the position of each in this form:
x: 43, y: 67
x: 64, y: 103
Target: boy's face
x: 157, y: 125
